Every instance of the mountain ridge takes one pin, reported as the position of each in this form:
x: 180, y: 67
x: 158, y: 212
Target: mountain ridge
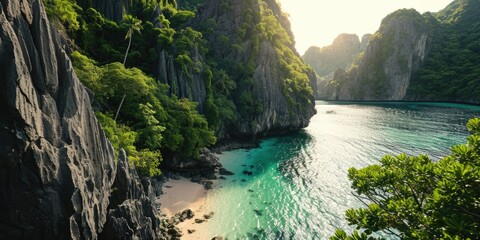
x: 427, y: 57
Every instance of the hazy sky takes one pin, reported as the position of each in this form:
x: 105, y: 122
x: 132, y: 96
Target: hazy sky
x: 318, y: 22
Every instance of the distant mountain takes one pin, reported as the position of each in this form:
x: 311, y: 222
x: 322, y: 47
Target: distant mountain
x: 340, y: 54
x: 431, y: 57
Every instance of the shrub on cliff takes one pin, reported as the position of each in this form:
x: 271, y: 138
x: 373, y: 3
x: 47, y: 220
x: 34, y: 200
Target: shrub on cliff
x: 149, y: 119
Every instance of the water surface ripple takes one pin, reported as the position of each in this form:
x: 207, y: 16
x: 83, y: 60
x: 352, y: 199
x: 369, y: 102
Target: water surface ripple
x: 298, y: 187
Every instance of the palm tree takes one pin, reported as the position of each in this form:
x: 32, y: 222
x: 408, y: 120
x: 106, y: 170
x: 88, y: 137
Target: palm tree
x: 132, y: 25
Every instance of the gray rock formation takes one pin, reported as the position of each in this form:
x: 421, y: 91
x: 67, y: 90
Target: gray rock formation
x: 393, y: 54
x: 56, y: 165
x: 135, y: 215
x: 189, y: 84
x: 228, y: 22
x: 204, y: 165
x: 364, y: 41
x: 341, y: 54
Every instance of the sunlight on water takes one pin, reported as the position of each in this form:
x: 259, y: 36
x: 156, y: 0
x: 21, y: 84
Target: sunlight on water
x: 296, y: 186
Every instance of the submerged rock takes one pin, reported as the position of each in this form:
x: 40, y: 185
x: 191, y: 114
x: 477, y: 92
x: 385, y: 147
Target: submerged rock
x: 258, y: 212
x: 225, y: 172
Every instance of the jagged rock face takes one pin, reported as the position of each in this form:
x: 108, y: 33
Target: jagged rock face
x: 190, y: 84
x: 135, y: 215
x: 55, y: 161
x: 56, y: 165
x: 276, y: 115
x: 396, y: 51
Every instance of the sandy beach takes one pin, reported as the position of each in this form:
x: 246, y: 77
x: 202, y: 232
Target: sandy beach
x: 182, y: 194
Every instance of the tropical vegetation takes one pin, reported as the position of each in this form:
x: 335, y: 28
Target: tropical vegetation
x: 415, y: 197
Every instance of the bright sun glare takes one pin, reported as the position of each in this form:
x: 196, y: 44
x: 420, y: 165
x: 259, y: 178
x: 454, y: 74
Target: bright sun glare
x: 318, y: 22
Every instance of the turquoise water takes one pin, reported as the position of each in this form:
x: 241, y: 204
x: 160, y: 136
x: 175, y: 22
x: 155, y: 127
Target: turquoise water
x: 298, y: 187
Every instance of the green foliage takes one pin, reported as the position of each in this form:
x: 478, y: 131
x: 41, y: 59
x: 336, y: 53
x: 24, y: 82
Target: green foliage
x: 415, y: 198
x: 186, y: 131
x: 187, y: 39
x: 122, y: 137
x: 65, y: 11
x: 150, y: 120
x: 100, y: 37
x: 132, y: 25
x: 211, y: 110
x: 296, y: 86
x: 452, y: 69
x: 147, y: 162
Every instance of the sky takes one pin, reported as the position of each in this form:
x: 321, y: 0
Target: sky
x: 318, y: 22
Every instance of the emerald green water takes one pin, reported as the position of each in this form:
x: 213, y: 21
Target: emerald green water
x: 299, y: 187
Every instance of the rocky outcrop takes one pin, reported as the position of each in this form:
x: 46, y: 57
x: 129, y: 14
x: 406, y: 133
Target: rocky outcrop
x: 56, y: 165
x: 134, y: 213
x: 184, y: 83
x: 255, y: 64
x: 206, y: 162
x: 394, y: 53
x: 364, y: 41
x: 340, y: 55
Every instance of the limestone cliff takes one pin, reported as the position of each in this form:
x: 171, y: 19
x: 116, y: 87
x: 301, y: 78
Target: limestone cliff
x: 394, y: 52
x: 252, y: 41
x: 56, y: 166
x: 429, y: 57
x: 340, y: 55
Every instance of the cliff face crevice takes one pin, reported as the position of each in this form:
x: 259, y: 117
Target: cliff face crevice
x: 56, y: 165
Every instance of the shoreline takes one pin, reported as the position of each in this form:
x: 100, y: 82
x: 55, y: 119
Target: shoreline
x: 394, y: 101
x: 180, y: 195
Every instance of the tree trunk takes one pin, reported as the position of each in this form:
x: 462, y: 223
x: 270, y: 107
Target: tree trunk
x: 126, y: 53
x: 119, y: 107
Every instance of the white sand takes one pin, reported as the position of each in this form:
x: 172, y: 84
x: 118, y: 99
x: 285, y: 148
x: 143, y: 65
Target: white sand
x: 182, y: 194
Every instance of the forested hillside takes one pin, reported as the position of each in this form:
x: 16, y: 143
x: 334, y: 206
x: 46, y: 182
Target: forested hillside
x: 452, y: 69
x: 413, y: 56
x: 169, y: 79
